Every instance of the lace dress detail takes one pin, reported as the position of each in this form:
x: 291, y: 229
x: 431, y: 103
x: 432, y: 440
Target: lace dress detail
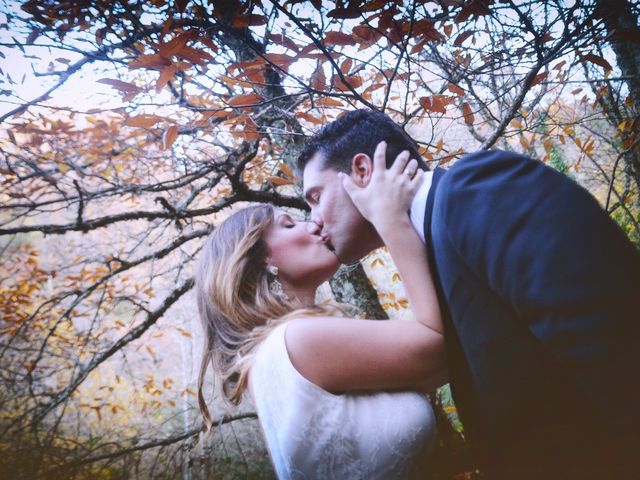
x: 312, y: 434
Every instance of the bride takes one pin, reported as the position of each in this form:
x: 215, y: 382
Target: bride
x: 336, y: 397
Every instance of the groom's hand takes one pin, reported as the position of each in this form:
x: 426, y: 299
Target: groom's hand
x: 386, y: 198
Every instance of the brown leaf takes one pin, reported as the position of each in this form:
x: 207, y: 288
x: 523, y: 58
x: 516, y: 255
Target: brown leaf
x: 194, y: 55
x: 455, y: 89
x: 462, y: 37
x: 181, y: 5
x: 169, y: 136
x: 338, y: 38
x: 318, y: 79
x: 475, y: 8
x: 590, y: 57
x: 166, y: 75
x: 246, y: 100
x: 467, y: 113
x: 351, y: 11
x: 346, y: 66
x: 175, y: 44
x: 280, y: 59
x: 539, y: 78
x: 155, y: 61
x: 434, y: 103
x: 142, y: 121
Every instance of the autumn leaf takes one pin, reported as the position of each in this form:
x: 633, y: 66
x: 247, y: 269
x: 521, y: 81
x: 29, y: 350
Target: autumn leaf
x: 475, y: 8
x: 329, y: 102
x: 280, y: 181
x: 590, y: 57
x: 280, y: 59
x: 249, y: 99
x: 175, y: 45
x: 194, y: 55
x: 539, y: 78
x: 338, y: 38
x: 434, y: 103
x: 128, y: 90
x: 142, y: 121
x: 166, y: 75
x: 467, y: 113
x: 350, y: 12
x: 181, y: 5
x: 170, y: 135
x: 455, y: 89
x: 155, y: 61
x: 462, y: 37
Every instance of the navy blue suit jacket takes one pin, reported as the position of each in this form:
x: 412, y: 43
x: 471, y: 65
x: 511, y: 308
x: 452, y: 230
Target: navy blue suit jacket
x: 540, y: 292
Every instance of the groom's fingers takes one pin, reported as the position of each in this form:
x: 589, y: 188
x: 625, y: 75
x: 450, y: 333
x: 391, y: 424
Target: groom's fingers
x: 400, y: 162
x: 379, y: 156
x: 348, y: 184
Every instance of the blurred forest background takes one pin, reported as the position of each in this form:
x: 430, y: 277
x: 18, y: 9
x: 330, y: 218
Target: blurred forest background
x: 129, y: 128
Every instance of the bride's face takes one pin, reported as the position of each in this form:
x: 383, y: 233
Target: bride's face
x: 303, y: 258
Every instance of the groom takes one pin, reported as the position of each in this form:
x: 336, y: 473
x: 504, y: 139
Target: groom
x: 540, y: 293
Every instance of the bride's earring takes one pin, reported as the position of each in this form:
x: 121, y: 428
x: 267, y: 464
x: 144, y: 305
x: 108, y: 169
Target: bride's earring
x: 276, y: 286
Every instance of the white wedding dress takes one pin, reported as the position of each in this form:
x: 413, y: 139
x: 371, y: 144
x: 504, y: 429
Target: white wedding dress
x: 314, y: 435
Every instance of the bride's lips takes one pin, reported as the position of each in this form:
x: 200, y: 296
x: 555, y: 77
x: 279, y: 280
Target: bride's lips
x: 327, y: 241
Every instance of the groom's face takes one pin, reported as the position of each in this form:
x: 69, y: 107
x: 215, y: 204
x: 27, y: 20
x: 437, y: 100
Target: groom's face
x: 349, y: 234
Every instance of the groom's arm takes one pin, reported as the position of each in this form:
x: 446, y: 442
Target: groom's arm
x: 544, y: 246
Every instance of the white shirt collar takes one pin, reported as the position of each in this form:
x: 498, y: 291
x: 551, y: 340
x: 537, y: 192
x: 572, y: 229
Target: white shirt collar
x: 419, y: 204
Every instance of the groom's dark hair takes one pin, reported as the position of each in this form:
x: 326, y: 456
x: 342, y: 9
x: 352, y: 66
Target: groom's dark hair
x: 357, y: 131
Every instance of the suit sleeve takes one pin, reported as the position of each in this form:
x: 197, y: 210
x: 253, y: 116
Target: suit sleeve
x: 543, y: 244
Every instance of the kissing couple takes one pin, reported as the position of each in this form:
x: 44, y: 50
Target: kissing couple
x: 525, y: 298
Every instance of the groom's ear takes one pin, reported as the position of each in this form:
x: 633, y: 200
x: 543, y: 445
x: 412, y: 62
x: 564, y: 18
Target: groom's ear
x: 361, y: 169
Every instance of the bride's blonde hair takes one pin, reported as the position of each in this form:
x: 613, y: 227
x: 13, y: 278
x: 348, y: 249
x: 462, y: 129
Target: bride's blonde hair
x: 236, y: 304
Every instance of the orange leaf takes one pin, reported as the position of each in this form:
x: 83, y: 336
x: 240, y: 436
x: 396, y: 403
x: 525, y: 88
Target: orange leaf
x: 246, y: 100
x: 169, y: 137
x: 455, y: 89
x: 318, y: 80
x: 143, y: 121
x: 280, y: 59
x: 467, y: 113
x: 280, y: 181
x: 329, y: 102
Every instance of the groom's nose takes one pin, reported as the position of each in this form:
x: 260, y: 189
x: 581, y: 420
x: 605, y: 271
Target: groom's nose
x: 313, y: 228
x: 315, y: 218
